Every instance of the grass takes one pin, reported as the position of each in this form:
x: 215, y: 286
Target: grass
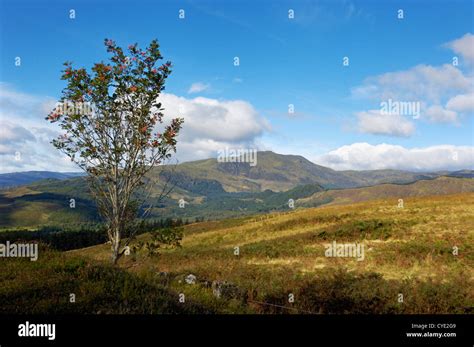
x: 408, y: 251
x: 45, y: 286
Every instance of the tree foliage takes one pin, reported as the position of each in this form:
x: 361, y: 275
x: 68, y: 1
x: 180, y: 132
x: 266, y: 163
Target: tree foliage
x: 113, y: 128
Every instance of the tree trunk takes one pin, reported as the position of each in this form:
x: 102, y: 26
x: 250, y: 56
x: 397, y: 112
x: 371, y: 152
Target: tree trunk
x: 115, y: 247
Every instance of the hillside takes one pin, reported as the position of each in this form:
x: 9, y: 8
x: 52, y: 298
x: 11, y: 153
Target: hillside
x: 406, y: 250
x: 432, y: 187
x: 280, y: 172
x: 22, y: 178
x: 47, y: 202
x: 273, y: 171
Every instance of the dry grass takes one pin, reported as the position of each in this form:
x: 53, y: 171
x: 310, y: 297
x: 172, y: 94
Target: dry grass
x: 283, y: 252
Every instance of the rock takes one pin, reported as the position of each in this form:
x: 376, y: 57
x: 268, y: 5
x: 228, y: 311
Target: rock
x: 225, y: 290
x: 190, y: 279
x: 216, y: 289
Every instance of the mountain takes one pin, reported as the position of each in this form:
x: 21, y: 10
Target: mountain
x: 21, y: 178
x: 273, y: 171
x: 214, y: 190
x: 461, y: 173
x: 373, y: 177
x: 279, y: 172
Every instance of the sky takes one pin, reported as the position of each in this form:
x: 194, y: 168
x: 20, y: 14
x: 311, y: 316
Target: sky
x: 314, y: 78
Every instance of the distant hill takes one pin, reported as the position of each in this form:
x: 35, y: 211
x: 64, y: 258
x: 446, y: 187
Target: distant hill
x: 21, y: 178
x: 273, y: 171
x: 462, y: 173
x: 214, y: 190
x: 440, y: 186
x: 48, y: 202
x: 280, y: 172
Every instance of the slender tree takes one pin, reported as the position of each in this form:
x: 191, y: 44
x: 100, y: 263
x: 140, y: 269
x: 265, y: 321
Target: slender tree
x: 114, y: 130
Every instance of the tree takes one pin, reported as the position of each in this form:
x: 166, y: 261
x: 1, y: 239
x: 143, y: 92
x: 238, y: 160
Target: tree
x: 110, y: 119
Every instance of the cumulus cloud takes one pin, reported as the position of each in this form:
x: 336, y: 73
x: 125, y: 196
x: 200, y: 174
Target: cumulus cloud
x: 377, y: 123
x: 211, y: 125
x: 364, y: 156
x: 25, y: 136
x: 439, y: 114
x: 422, y: 83
x: 198, y: 87
x: 463, y: 46
x: 462, y: 103
x: 444, y: 92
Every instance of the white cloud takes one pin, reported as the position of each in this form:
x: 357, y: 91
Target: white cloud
x: 12, y: 134
x: 463, y: 46
x: 461, y: 103
x: 422, y: 83
x: 439, y: 114
x: 26, y: 106
x: 26, y: 148
x: 198, y: 87
x: 376, y: 123
x: 364, y: 156
x: 430, y: 86
x: 25, y: 135
x: 211, y: 125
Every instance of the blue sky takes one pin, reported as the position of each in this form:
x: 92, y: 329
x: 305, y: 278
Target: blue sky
x: 283, y: 61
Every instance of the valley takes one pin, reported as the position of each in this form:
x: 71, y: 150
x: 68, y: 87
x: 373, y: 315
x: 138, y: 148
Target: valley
x: 211, y: 190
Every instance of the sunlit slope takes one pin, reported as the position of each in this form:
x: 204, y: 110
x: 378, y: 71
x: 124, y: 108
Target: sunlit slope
x: 439, y: 186
x: 48, y: 202
x: 410, y: 248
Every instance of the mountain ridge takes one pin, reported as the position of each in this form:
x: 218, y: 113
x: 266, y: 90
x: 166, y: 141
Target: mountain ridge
x: 277, y: 172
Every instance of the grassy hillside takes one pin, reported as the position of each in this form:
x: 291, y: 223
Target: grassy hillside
x: 44, y: 287
x: 47, y: 202
x: 279, y: 172
x: 30, y: 206
x: 407, y: 250
x: 438, y: 186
